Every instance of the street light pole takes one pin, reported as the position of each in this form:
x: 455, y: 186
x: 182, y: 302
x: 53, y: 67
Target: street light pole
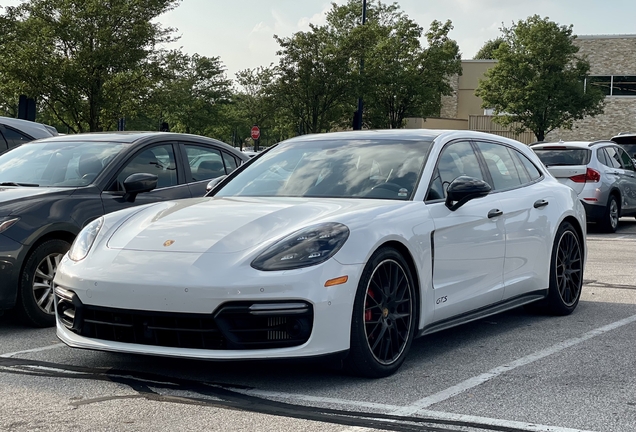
x: 357, y: 118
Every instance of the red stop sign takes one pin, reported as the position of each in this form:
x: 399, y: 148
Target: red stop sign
x: 256, y: 133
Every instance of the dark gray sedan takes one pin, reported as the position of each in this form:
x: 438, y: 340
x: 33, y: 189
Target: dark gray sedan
x: 51, y: 188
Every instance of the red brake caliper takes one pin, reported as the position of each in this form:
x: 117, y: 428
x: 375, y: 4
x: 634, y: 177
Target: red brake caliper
x: 367, y: 312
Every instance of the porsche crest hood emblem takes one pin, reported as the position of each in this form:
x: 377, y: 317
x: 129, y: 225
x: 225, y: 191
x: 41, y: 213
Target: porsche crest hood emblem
x: 168, y: 243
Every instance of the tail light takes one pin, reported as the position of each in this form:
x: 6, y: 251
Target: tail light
x: 591, y: 175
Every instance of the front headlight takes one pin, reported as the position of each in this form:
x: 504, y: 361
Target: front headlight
x: 84, y: 241
x: 304, y: 248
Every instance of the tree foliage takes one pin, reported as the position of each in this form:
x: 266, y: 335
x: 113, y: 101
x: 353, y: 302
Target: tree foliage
x: 314, y: 79
x: 189, y: 92
x: 538, y: 80
x: 86, y: 61
x: 487, y: 51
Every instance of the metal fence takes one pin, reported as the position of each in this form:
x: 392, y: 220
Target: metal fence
x: 485, y: 123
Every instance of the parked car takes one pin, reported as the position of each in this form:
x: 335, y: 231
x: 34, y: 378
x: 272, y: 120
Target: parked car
x: 628, y: 142
x: 601, y: 173
x: 374, y: 238
x: 14, y: 132
x: 50, y: 189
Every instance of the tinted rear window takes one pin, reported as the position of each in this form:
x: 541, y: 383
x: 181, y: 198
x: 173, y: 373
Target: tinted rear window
x: 565, y: 156
x: 624, y: 139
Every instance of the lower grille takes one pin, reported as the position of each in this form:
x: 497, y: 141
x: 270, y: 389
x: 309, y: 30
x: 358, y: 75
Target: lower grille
x: 151, y: 328
x: 234, y: 325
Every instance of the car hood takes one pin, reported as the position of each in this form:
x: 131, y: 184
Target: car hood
x: 227, y: 225
x: 11, y: 194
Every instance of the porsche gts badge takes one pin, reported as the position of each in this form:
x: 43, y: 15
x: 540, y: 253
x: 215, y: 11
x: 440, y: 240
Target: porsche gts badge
x: 168, y: 243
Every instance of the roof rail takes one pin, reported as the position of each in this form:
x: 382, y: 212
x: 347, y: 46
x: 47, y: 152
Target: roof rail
x: 592, y: 144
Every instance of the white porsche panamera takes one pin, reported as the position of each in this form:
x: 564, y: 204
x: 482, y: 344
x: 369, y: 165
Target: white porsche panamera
x: 350, y: 243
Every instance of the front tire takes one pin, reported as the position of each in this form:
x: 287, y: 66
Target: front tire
x: 384, y: 316
x: 35, y: 297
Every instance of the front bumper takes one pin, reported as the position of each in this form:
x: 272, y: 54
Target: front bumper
x: 186, y: 312
x: 10, y: 263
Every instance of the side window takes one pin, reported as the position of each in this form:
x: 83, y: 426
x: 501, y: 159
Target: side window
x: 158, y: 160
x: 205, y: 163
x: 532, y: 170
x: 524, y: 176
x: 600, y: 154
x: 230, y: 162
x: 14, y: 138
x: 457, y: 159
x: 628, y: 164
x: 3, y: 143
x: 500, y: 165
x: 613, y: 157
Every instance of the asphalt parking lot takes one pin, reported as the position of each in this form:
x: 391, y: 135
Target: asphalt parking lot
x: 513, y: 372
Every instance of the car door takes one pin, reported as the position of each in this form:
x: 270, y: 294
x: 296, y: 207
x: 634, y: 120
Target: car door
x: 468, y: 243
x: 204, y: 163
x: 525, y: 202
x: 629, y: 180
x: 622, y: 177
x: 160, y: 159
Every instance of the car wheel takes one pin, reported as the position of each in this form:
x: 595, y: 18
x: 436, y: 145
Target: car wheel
x: 609, y: 223
x: 384, y: 316
x: 566, y: 273
x: 36, y: 301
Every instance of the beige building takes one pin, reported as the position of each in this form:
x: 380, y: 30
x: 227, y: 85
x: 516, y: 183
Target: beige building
x: 613, y: 69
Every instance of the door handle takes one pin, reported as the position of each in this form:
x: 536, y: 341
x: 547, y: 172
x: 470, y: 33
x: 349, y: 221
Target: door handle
x: 494, y: 213
x: 540, y: 203
x: 613, y: 172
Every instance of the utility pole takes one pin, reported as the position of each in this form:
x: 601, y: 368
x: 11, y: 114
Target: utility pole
x: 357, y: 116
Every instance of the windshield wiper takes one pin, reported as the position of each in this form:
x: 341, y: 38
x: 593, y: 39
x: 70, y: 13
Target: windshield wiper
x: 19, y: 184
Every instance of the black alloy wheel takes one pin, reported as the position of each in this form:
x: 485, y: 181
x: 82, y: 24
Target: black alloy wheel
x: 566, y: 273
x: 383, y: 321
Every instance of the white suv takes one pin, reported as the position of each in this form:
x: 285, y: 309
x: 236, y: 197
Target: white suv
x: 602, y: 174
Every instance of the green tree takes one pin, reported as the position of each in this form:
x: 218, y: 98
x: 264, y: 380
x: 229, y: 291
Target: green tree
x: 189, y: 93
x: 487, y: 51
x: 86, y: 61
x: 401, y: 77
x: 314, y: 79
x: 538, y: 80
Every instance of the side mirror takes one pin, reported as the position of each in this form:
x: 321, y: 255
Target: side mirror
x: 214, y: 182
x: 463, y: 189
x: 139, y: 183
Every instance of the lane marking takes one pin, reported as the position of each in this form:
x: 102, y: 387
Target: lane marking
x: 319, y: 399
x: 526, y: 426
x: 386, y: 408
x: 494, y: 373
x: 46, y: 348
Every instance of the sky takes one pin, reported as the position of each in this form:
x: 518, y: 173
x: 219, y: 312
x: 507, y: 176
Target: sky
x: 241, y: 32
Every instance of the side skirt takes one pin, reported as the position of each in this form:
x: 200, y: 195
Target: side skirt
x: 484, y: 312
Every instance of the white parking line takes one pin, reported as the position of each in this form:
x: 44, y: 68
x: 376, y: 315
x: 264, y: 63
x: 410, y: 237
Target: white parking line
x: 481, y: 421
x: 319, y: 399
x: 46, y: 348
x: 485, y: 421
x: 386, y: 408
x: 494, y: 373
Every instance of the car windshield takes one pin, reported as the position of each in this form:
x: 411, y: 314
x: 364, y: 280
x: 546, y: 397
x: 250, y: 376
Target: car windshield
x: 563, y: 156
x: 334, y: 168
x: 59, y: 164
